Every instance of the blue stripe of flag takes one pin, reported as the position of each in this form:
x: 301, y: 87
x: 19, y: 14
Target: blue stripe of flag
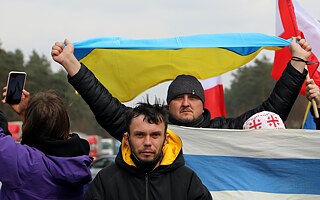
x: 286, y: 176
x: 240, y: 43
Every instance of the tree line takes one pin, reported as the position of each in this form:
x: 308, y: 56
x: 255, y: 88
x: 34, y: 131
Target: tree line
x: 40, y: 78
x: 251, y: 85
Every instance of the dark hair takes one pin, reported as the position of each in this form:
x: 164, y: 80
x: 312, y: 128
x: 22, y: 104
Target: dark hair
x: 46, y: 115
x: 154, y: 113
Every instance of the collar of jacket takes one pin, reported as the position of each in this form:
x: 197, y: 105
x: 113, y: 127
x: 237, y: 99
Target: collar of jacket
x: 72, y: 147
x: 203, y: 121
x: 170, y: 151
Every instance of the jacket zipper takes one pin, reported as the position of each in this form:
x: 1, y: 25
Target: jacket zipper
x: 147, y: 187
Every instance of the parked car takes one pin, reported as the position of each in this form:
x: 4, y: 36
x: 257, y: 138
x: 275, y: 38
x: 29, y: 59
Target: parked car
x: 101, y: 162
x: 107, y: 146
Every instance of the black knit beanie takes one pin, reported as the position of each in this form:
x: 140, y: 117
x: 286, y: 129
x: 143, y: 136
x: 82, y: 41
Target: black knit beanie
x: 185, y: 84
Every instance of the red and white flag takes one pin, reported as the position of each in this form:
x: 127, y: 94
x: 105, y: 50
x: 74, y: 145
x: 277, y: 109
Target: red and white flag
x: 214, y: 95
x: 293, y: 20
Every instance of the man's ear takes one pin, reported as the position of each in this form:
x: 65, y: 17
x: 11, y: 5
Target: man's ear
x: 126, y: 138
x: 166, y: 139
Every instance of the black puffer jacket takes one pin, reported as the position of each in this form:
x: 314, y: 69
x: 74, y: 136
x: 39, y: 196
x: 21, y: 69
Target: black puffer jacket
x: 109, y: 112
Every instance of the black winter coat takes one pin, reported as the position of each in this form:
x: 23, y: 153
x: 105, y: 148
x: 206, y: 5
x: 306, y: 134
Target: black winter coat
x: 109, y: 112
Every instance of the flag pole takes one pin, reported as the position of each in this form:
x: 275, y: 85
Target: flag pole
x: 313, y: 102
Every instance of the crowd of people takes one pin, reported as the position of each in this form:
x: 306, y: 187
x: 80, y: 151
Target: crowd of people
x: 53, y: 163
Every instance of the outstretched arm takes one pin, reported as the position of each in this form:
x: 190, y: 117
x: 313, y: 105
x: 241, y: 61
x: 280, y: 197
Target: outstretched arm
x: 108, y: 110
x: 286, y: 90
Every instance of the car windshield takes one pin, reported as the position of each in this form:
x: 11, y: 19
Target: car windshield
x: 106, y: 145
x: 103, y: 162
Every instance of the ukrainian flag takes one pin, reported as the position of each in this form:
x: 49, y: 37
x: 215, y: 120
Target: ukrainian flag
x: 127, y: 67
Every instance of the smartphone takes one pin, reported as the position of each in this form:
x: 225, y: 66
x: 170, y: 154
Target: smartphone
x: 15, y: 85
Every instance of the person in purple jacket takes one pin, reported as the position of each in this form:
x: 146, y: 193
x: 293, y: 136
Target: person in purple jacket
x: 49, y: 163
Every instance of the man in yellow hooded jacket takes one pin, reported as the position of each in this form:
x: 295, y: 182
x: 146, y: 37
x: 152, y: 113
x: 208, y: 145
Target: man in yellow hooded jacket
x: 150, y: 163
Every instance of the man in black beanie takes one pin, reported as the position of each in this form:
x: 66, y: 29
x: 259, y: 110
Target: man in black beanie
x: 185, y: 94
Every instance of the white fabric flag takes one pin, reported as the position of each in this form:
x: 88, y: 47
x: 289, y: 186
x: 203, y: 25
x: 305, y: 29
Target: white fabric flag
x: 254, y: 164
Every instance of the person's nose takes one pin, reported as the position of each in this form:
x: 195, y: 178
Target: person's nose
x: 185, y: 100
x: 147, y: 140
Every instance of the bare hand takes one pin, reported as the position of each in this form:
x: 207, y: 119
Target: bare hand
x: 301, y: 49
x: 313, y: 91
x: 62, y: 53
x: 22, y: 106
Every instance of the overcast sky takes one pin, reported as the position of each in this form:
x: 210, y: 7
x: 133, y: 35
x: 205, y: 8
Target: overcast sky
x: 37, y: 24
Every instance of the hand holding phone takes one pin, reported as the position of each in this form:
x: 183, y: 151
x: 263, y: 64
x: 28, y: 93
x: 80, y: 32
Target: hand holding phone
x: 15, y: 85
